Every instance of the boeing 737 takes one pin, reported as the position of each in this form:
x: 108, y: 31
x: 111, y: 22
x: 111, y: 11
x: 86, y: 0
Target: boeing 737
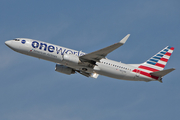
x: 69, y: 61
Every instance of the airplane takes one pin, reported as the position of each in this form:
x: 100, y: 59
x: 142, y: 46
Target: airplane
x: 69, y: 61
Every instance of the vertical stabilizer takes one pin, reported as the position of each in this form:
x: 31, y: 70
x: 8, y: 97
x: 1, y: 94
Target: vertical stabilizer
x: 158, y: 61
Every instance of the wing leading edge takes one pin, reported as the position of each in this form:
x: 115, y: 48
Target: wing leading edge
x: 102, y: 53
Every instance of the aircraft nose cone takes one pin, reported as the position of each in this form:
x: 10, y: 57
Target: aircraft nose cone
x: 8, y: 43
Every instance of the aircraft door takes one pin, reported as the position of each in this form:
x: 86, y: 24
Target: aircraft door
x: 137, y: 73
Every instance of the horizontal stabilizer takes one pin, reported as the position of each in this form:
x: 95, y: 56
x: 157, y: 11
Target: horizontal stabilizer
x: 162, y: 72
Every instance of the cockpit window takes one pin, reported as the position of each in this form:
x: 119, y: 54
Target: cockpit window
x: 16, y: 39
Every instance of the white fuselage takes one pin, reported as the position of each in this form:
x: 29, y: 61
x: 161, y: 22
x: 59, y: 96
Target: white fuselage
x: 54, y: 53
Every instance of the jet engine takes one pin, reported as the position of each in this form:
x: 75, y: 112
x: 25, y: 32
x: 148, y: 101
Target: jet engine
x: 64, y: 69
x: 71, y: 58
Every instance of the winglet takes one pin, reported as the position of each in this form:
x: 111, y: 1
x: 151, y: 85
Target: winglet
x: 124, y: 39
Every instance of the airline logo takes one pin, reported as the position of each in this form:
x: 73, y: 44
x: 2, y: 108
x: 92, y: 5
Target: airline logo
x: 23, y: 41
x: 155, y: 63
x: 158, y: 61
x: 161, y: 58
x: 52, y: 48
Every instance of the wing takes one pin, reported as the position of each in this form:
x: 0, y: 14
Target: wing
x: 102, y: 53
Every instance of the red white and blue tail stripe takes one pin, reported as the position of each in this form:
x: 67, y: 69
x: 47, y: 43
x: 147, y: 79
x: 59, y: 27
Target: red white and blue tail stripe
x: 158, y: 61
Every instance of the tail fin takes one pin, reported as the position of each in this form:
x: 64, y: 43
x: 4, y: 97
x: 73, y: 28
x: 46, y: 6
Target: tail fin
x: 158, y: 61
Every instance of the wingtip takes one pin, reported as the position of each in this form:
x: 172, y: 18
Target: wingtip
x: 124, y: 39
x: 174, y: 68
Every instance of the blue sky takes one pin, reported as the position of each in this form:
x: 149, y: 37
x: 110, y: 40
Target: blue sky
x: 31, y: 89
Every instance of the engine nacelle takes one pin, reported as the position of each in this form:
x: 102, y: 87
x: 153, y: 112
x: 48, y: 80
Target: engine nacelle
x: 71, y: 59
x: 64, y: 69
